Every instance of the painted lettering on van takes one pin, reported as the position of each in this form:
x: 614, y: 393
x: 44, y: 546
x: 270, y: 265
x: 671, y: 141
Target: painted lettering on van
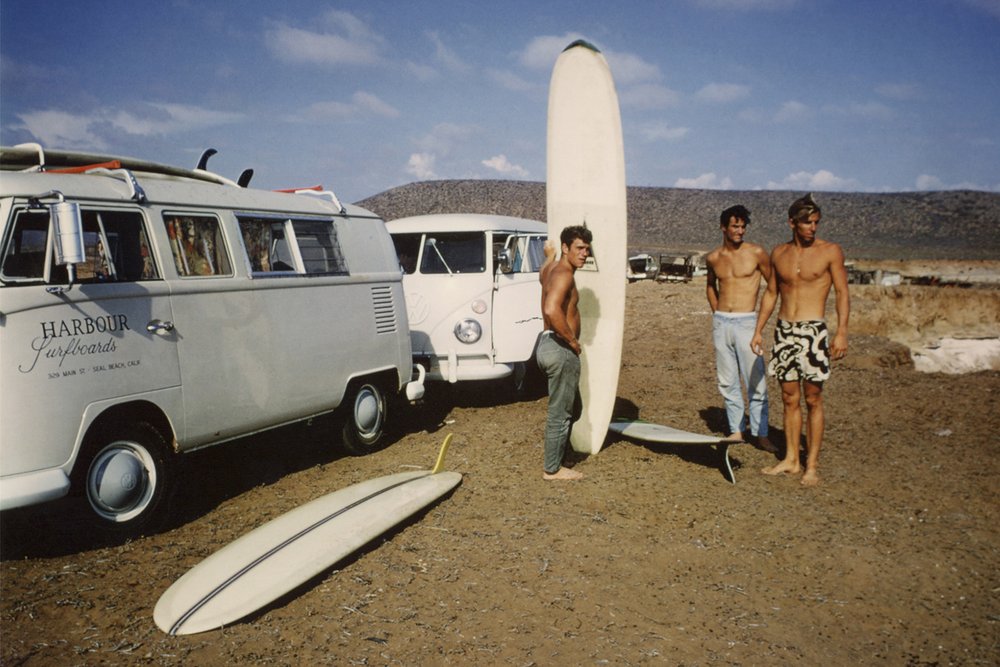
x: 73, y: 330
x: 86, y: 325
x: 72, y: 348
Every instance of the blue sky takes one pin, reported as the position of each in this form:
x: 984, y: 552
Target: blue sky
x: 849, y: 95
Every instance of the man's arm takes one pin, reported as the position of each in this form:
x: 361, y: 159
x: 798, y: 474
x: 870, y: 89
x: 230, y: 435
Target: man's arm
x: 838, y: 272
x: 764, y: 263
x: 766, y: 308
x: 712, y: 287
x: 557, y: 291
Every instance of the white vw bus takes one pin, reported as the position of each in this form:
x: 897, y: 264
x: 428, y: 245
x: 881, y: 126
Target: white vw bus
x: 472, y: 292
x: 148, y: 310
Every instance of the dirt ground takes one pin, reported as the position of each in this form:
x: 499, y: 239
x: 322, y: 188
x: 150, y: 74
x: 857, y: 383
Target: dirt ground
x: 654, y: 558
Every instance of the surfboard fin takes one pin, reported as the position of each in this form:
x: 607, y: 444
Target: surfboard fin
x: 444, y: 450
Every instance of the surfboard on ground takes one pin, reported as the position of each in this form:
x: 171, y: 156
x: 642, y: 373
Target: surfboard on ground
x: 585, y: 184
x: 284, y: 553
x: 649, y: 432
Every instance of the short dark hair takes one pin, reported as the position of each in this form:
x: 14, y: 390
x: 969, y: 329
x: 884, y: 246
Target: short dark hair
x: 802, y: 208
x: 573, y: 232
x: 739, y: 212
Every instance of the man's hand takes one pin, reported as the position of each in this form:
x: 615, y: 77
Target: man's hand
x: 757, y: 344
x: 839, y: 346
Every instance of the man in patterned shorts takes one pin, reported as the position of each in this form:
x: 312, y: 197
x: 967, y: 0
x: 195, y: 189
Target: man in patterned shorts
x: 803, y: 271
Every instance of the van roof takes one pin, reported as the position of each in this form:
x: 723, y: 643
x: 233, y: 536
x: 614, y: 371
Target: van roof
x: 24, y: 176
x: 463, y: 222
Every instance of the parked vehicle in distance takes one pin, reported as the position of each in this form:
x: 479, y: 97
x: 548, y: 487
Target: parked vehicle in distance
x: 473, y: 296
x: 148, y: 310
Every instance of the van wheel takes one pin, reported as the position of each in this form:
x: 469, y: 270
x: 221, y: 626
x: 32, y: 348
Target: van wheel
x: 365, y: 419
x: 126, y: 477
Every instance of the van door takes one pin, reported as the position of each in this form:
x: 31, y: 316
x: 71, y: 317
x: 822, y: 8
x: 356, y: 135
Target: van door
x: 517, y: 298
x: 108, y: 336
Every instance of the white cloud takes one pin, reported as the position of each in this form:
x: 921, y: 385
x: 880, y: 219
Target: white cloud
x: 444, y: 55
x: 628, y: 68
x: 707, y: 181
x: 792, y: 111
x: 348, y: 41
x: 929, y: 182
x: 510, y: 81
x: 541, y: 52
x: 651, y: 132
x: 362, y: 105
x: 444, y: 137
x: 421, y: 165
x: 78, y: 131
x: 648, y: 96
x: 723, y: 92
x: 502, y: 165
x: 421, y: 72
x: 61, y: 128
x: 820, y: 180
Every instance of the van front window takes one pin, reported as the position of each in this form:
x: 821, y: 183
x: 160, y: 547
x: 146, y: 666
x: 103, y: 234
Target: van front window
x: 116, y: 249
x: 454, y: 252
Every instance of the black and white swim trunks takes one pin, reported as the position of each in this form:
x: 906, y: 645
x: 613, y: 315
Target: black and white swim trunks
x: 801, y: 351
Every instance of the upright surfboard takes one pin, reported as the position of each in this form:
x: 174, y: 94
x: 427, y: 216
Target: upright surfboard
x: 273, y: 559
x: 586, y: 185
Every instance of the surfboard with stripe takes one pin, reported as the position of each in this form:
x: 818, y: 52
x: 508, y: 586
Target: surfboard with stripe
x: 284, y: 553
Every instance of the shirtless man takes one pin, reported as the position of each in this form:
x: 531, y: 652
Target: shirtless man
x: 804, y: 270
x: 558, y: 353
x: 735, y: 270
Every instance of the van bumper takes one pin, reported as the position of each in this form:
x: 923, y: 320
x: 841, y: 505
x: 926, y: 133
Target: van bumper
x: 32, y: 488
x: 460, y: 369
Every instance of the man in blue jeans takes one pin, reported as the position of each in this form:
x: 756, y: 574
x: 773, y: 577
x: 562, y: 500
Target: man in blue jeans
x: 558, y: 352
x: 735, y: 271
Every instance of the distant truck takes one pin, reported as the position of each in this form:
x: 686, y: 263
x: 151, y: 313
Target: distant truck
x: 148, y: 310
x: 472, y: 292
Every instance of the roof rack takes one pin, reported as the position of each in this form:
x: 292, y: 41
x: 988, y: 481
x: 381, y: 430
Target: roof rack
x: 316, y: 191
x: 32, y: 157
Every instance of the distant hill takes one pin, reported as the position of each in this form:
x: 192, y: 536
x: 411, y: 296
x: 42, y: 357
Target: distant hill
x: 959, y: 224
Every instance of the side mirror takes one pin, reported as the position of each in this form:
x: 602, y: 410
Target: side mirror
x: 504, y: 261
x: 68, y: 226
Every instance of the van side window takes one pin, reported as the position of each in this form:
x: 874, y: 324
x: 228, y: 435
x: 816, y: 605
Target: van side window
x: 407, y: 250
x: 115, y: 242
x: 454, y: 252
x: 197, y: 245
x: 275, y: 246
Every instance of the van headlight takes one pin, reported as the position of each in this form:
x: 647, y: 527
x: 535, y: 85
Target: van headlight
x: 468, y: 331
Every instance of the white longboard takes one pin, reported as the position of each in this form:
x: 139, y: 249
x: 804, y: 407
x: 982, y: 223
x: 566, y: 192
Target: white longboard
x: 660, y: 433
x: 586, y: 185
x: 274, y: 558
x: 649, y: 432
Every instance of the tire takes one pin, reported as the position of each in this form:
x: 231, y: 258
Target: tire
x: 366, y: 412
x: 126, y: 478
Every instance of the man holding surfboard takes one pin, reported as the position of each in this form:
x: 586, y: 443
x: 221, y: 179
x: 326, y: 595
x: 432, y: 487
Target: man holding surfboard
x: 735, y: 270
x: 558, y: 353
x: 804, y: 269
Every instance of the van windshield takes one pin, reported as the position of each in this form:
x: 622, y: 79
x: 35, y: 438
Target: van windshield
x: 454, y: 252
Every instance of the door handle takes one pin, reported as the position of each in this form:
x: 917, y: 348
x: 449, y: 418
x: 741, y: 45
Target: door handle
x: 159, y: 326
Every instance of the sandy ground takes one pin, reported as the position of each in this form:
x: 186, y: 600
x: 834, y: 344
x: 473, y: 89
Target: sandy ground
x: 654, y: 558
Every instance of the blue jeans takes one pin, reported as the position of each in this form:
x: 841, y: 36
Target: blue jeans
x: 735, y: 361
x: 562, y: 367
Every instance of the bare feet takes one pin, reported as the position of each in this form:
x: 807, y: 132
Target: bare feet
x: 562, y: 473
x: 733, y: 437
x: 783, y: 467
x: 811, y: 478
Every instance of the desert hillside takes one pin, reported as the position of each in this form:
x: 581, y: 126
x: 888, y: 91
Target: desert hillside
x: 957, y: 224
